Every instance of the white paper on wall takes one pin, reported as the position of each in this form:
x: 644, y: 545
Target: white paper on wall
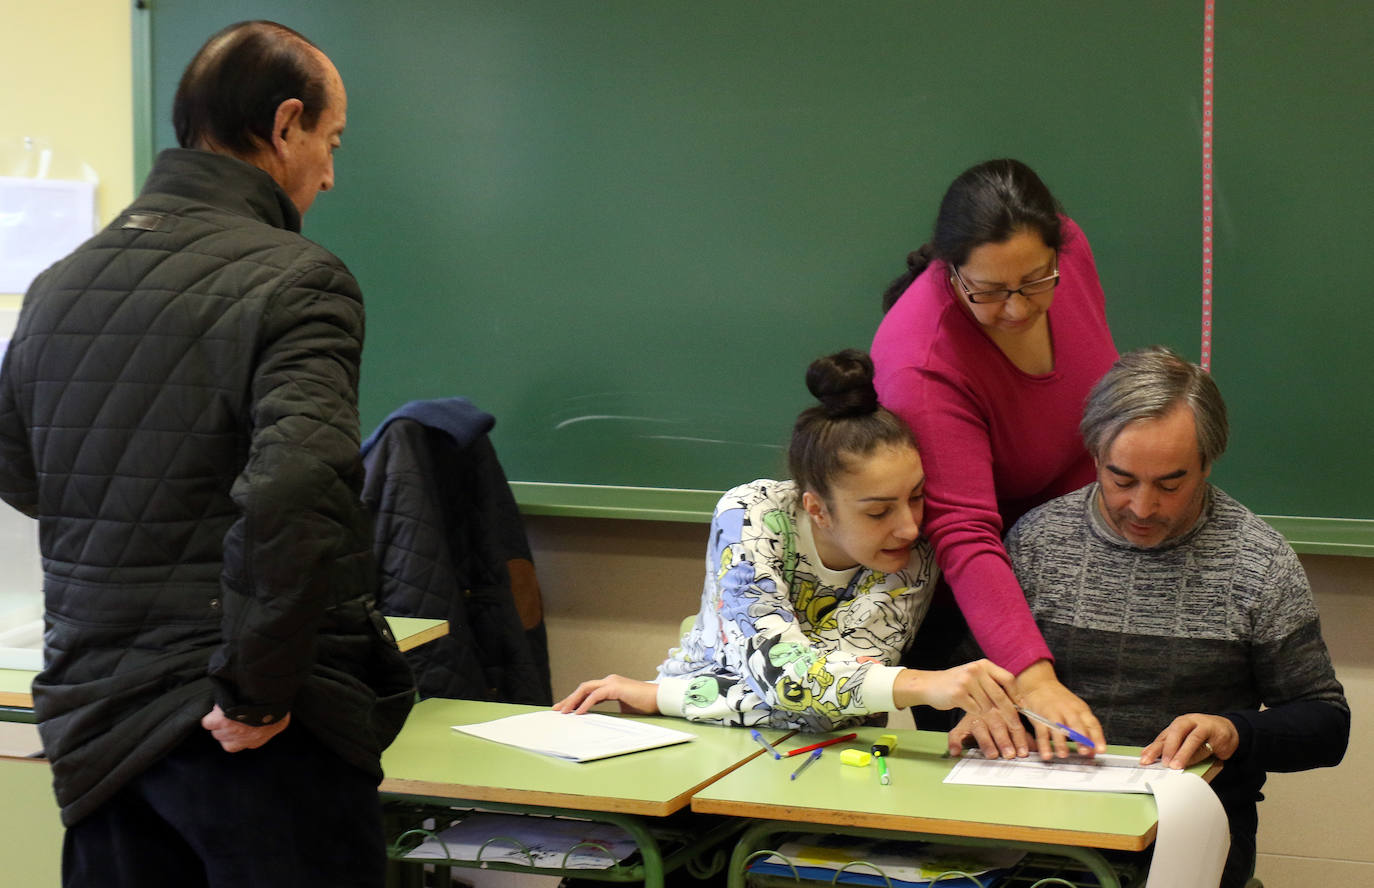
x: 41, y: 220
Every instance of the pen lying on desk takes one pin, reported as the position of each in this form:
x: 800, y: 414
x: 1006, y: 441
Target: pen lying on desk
x: 804, y: 765
x: 831, y: 742
x: 1073, y: 735
x: 753, y: 732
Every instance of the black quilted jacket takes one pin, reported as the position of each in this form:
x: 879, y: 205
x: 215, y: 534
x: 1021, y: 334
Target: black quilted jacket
x: 178, y: 409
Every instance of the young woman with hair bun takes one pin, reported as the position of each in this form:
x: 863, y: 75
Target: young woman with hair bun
x: 814, y: 586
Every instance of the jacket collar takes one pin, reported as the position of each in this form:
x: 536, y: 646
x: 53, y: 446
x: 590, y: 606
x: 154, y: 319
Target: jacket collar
x: 225, y: 182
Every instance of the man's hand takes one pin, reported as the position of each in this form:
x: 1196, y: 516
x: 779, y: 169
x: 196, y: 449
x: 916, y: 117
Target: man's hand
x: 995, y: 737
x: 1041, y: 692
x: 235, y: 736
x: 635, y: 697
x: 1191, y: 738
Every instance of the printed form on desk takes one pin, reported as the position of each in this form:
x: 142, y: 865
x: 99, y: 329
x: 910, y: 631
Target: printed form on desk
x: 1104, y: 773
x: 1192, y: 838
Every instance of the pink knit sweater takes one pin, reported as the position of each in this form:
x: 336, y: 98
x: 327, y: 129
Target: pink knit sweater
x: 995, y: 441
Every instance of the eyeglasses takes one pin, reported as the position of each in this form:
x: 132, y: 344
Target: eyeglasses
x: 986, y: 297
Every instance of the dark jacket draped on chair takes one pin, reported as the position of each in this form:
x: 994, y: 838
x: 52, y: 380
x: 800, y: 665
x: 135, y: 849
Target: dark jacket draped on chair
x: 450, y: 545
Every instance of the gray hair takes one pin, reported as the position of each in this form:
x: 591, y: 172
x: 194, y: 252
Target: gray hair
x: 1147, y: 384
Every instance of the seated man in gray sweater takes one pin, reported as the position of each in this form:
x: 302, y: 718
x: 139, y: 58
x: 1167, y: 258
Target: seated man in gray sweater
x: 1173, y: 610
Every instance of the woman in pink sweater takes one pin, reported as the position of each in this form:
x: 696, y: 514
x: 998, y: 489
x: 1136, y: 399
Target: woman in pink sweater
x: 990, y: 344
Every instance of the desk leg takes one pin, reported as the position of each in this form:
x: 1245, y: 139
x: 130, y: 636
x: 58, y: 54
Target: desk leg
x: 759, y: 834
x: 648, y: 846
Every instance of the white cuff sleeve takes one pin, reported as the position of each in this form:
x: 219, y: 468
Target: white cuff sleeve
x: 672, y: 692
x: 877, y: 688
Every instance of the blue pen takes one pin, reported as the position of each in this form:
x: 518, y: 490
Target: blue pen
x: 1073, y: 735
x: 809, y: 759
x: 753, y: 732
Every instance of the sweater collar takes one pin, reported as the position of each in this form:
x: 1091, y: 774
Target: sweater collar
x: 225, y: 182
x: 1103, y: 530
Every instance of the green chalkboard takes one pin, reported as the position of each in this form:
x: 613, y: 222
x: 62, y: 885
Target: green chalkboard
x: 625, y: 227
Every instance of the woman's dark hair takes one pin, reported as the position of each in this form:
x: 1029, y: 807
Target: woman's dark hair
x: 228, y: 95
x: 847, y: 423
x: 987, y: 204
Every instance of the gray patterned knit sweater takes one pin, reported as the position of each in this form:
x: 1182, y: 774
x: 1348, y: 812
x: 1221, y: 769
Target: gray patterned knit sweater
x: 1219, y: 620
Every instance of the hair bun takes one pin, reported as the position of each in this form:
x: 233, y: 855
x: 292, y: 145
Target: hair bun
x: 843, y: 383
x: 917, y: 260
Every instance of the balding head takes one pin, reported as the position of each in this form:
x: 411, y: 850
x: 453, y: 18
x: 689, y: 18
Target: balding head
x: 263, y: 93
x: 229, y: 94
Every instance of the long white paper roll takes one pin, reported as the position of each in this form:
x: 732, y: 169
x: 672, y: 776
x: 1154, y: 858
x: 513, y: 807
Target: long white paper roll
x: 1193, y: 839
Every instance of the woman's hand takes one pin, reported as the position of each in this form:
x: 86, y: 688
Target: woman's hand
x: 635, y: 697
x: 982, y: 689
x: 1040, y: 691
x: 1191, y: 738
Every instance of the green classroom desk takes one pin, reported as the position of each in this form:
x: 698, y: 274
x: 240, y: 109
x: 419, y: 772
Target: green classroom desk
x: 16, y: 699
x: 432, y: 764
x: 833, y: 798
x: 411, y: 632
x: 30, y: 828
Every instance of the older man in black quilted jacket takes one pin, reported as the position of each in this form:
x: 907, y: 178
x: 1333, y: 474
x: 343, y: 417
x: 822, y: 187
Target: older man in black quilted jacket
x: 178, y: 408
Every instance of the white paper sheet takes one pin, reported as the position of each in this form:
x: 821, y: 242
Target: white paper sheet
x: 582, y: 738
x: 41, y: 220
x: 1193, y: 837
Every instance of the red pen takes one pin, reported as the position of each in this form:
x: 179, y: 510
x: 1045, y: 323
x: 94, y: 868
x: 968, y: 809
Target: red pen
x: 831, y: 742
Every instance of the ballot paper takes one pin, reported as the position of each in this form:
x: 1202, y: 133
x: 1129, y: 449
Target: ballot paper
x: 1192, y: 838
x: 1102, y: 773
x: 581, y: 738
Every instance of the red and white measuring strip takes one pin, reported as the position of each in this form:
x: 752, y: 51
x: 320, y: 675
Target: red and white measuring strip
x: 1208, y: 60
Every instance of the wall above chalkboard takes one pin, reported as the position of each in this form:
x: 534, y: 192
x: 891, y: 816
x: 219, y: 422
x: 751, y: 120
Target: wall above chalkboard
x: 625, y: 228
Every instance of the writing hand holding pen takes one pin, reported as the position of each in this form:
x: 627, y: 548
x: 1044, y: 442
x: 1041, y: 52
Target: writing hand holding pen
x: 974, y: 729
x: 1073, y: 735
x: 1039, y: 690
